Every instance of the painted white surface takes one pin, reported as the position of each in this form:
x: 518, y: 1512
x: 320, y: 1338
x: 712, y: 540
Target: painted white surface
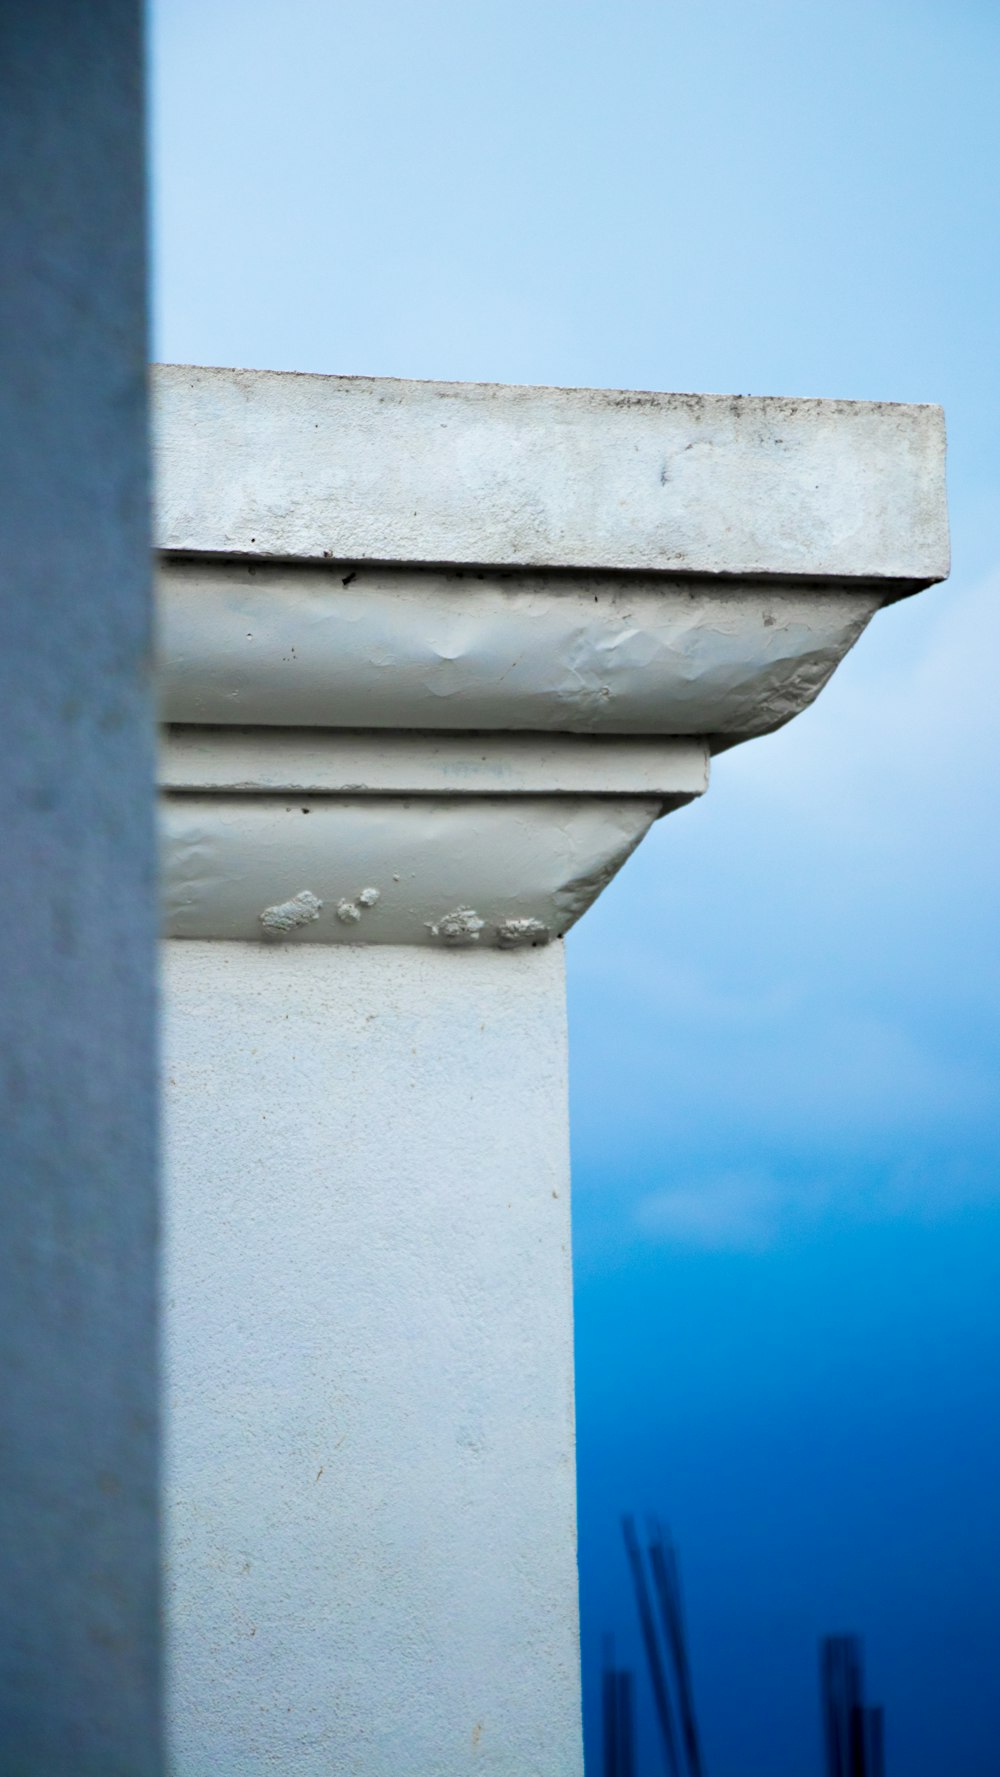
x: 371, y: 1484
x: 423, y: 860
x: 356, y: 468
x: 79, y: 1593
x: 329, y: 761
x: 408, y: 648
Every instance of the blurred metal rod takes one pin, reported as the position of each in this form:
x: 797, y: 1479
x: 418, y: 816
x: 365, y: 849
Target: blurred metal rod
x: 663, y: 1561
x: 648, y: 1626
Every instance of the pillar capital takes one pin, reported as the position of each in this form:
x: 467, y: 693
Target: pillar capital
x: 435, y: 656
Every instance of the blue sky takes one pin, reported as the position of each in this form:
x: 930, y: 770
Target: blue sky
x: 784, y: 1014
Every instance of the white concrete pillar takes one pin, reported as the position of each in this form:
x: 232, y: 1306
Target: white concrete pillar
x: 79, y: 1598
x: 434, y: 658
x: 373, y: 1484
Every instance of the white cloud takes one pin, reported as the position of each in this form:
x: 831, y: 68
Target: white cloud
x: 730, y: 1212
x: 752, y: 1211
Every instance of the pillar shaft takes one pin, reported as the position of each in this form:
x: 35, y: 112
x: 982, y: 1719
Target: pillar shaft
x: 372, y: 1562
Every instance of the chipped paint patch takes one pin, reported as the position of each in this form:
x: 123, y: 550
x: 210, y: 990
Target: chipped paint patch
x: 301, y: 910
x: 349, y: 912
x: 462, y: 926
x: 512, y: 933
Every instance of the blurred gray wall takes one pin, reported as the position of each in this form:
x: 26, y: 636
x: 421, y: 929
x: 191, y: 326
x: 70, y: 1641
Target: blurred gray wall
x: 79, y: 1635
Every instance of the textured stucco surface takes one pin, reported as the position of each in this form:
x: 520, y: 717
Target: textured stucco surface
x: 371, y: 1492
x: 377, y: 469
x: 79, y: 1628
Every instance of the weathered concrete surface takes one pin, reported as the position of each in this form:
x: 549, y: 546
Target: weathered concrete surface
x: 79, y: 1631
x: 355, y: 468
x: 371, y: 1494
x: 784, y: 527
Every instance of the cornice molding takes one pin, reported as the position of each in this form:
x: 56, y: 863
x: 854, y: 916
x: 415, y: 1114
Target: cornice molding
x: 451, y: 840
x: 365, y: 744
x: 454, y: 872
x: 338, y: 645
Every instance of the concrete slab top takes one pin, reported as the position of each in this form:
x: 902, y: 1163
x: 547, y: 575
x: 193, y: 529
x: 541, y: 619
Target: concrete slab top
x: 290, y: 466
